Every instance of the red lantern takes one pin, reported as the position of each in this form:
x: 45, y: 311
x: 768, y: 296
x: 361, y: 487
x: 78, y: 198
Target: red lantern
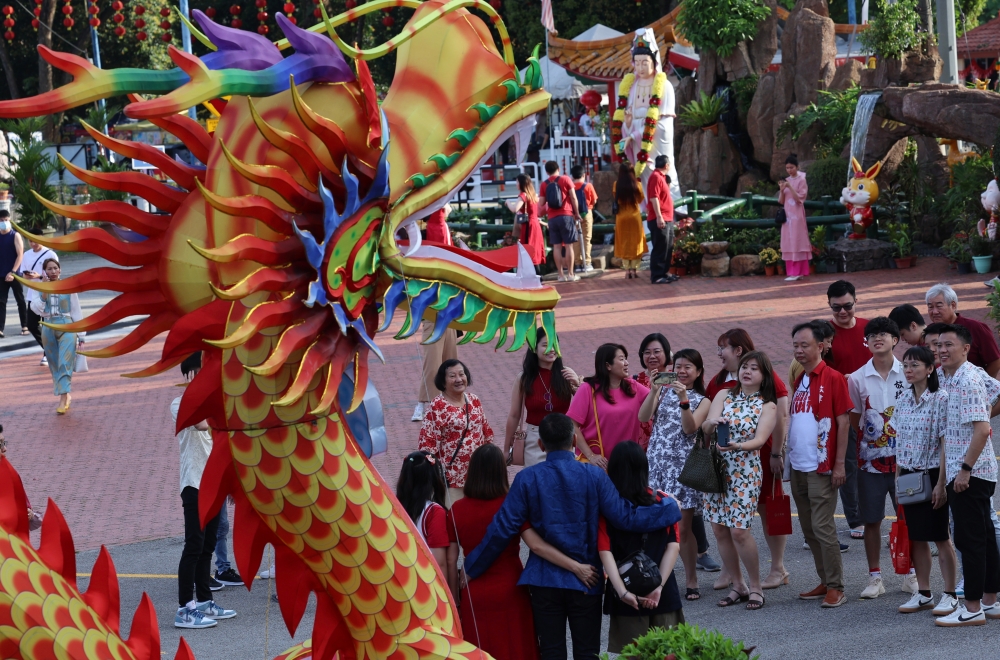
x: 237, y: 23
x: 117, y: 5
x: 66, y: 9
x: 351, y: 4
x: 262, y: 16
x: 317, y: 13
x: 68, y: 23
x: 8, y: 35
x: 119, y: 32
x: 263, y: 29
x: 388, y: 21
x: 496, y: 4
x: 37, y: 11
x: 139, y: 10
x: 166, y: 37
x: 35, y: 23
x: 235, y: 10
x: 141, y: 36
x: 95, y: 22
x: 164, y: 25
x: 92, y: 9
x: 118, y: 18
x: 8, y: 10
x: 139, y: 24
x: 591, y: 100
x: 289, y: 8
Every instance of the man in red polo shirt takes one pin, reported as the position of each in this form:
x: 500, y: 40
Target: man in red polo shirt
x: 563, y: 220
x: 942, y: 307
x: 848, y: 353
x: 660, y: 220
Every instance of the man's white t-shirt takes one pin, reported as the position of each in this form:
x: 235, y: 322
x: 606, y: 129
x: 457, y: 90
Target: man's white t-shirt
x: 803, y: 431
x: 33, y: 261
x: 195, y: 447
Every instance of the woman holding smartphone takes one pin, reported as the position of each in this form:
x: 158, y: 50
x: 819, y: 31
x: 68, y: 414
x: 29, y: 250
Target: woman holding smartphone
x: 60, y: 347
x: 677, y: 411
x: 796, y: 249
x: 742, y: 418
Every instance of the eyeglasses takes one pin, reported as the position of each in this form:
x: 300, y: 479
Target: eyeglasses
x: 877, y: 335
x: 651, y: 352
x: 837, y: 308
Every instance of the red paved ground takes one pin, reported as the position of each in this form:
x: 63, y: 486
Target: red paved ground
x: 111, y: 464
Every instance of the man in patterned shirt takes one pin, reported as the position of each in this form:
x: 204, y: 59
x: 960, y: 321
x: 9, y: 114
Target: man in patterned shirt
x: 971, y: 474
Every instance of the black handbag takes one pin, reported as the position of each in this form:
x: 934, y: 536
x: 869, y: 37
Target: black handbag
x: 780, y: 217
x: 704, y: 470
x: 639, y: 572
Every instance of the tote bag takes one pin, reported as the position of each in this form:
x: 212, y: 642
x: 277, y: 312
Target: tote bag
x: 899, y: 544
x: 704, y: 470
x: 779, y: 512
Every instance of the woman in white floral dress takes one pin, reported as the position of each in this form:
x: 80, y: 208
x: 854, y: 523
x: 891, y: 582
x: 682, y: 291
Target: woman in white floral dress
x: 750, y: 410
x: 677, y: 412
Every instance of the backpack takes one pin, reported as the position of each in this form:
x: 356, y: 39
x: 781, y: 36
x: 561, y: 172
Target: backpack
x: 581, y: 199
x: 553, y: 194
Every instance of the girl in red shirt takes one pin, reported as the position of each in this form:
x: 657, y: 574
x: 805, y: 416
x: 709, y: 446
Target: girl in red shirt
x: 420, y: 491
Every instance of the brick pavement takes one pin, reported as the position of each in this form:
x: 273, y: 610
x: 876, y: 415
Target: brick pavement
x: 111, y: 464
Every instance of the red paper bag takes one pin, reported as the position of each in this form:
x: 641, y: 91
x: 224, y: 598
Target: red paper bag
x: 899, y: 544
x: 779, y: 511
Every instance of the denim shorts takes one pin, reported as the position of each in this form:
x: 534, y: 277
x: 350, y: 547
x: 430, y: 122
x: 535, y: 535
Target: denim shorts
x: 872, y: 491
x: 562, y: 230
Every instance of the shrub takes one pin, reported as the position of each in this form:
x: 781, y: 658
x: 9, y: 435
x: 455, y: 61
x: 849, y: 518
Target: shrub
x: 892, y: 29
x: 835, y: 115
x: 827, y: 176
x: 32, y: 172
x: 744, y: 89
x: 720, y: 25
x: 969, y: 179
x: 704, y: 111
x: 683, y: 642
x: 752, y: 241
x: 769, y: 256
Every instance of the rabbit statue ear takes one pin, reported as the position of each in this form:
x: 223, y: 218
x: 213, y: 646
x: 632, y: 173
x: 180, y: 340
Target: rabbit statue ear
x: 873, y: 170
x: 855, y: 165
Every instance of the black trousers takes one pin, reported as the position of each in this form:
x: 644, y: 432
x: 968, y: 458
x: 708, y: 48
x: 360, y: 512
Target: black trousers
x: 553, y: 608
x: 975, y: 537
x: 661, y: 250
x: 34, y: 326
x: 698, y: 529
x: 22, y: 309
x: 849, y: 491
x: 195, y: 570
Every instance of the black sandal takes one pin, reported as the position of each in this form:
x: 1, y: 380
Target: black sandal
x: 752, y: 604
x: 729, y: 600
x: 692, y: 592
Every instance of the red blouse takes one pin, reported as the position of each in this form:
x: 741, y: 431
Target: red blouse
x: 535, y: 402
x: 443, y: 428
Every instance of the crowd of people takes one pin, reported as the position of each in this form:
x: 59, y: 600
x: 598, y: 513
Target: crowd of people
x: 604, y: 455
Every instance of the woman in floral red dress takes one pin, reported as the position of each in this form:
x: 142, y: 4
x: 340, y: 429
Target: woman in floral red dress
x: 454, y: 426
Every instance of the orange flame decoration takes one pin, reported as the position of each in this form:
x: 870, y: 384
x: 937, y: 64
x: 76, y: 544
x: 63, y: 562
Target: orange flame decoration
x: 272, y: 259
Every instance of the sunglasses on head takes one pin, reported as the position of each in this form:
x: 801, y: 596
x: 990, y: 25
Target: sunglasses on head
x: 837, y: 307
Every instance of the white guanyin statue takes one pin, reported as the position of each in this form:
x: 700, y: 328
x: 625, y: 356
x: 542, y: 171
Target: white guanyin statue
x: 642, y: 126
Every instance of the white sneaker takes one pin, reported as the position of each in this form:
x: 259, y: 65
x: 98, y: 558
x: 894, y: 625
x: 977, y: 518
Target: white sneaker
x: 917, y: 603
x: 192, y: 619
x: 874, y: 589
x: 805, y: 545
x: 962, y: 617
x: 44, y: 362
x: 793, y: 278
x: 588, y: 269
x: 909, y: 585
x: 573, y: 278
x: 989, y: 284
x: 562, y: 278
x: 267, y: 574
x: 945, y: 606
x: 991, y: 611
x: 418, y: 412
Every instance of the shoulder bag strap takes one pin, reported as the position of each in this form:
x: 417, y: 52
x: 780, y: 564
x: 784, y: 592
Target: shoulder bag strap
x: 597, y: 420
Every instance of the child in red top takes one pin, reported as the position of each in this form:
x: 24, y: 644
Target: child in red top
x: 421, y: 492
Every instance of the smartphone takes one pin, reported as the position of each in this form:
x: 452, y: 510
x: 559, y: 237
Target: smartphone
x: 722, y: 435
x: 665, y: 378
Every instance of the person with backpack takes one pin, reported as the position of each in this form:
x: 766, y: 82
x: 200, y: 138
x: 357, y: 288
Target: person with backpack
x: 586, y: 200
x: 559, y: 204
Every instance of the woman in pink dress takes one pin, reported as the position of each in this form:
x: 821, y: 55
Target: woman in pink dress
x: 796, y: 249
x: 529, y: 232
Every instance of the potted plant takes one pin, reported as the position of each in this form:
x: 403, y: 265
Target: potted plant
x: 703, y: 113
x: 679, y: 261
x: 684, y: 642
x: 982, y: 252
x: 781, y: 269
x: 769, y: 257
x: 817, y: 239
x: 902, y: 241
x: 963, y: 257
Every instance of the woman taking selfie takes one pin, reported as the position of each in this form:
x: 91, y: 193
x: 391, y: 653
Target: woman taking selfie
x: 742, y: 418
x: 60, y: 347
x: 544, y: 386
x: 632, y: 614
x: 454, y: 426
x: 677, y: 411
x: 796, y: 249
x: 919, y: 419
x: 605, y: 410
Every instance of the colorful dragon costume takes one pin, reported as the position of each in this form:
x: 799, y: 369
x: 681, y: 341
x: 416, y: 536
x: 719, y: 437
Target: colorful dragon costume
x: 275, y: 258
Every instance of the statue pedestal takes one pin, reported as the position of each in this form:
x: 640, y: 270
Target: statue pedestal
x: 865, y: 254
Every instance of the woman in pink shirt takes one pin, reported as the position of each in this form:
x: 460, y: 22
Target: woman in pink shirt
x: 605, y: 410
x: 796, y: 249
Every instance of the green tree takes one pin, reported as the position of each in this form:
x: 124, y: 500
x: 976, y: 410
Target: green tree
x: 720, y: 25
x: 30, y: 169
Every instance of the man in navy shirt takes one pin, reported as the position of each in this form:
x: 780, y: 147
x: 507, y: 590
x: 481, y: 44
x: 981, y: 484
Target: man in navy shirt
x: 562, y: 499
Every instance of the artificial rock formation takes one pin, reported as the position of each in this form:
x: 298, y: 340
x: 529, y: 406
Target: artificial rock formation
x: 708, y: 162
x: 745, y: 264
x: 715, y: 265
x: 865, y: 254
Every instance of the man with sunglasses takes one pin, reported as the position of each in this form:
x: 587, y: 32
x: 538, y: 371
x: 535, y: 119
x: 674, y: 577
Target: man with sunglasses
x: 848, y: 353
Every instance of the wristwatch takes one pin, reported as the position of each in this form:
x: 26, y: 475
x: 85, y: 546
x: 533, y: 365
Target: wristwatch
x: 966, y: 467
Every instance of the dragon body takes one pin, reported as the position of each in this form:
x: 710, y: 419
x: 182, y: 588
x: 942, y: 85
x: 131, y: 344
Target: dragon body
x: 275, y: 259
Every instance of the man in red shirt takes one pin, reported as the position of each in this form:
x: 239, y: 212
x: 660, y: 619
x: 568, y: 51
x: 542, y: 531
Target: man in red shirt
x: 942, y: 307
x: 817, y: 448
x: 586, y: 207
x: 848, y: 353
x: 660, y: 220
x: 563, y: 219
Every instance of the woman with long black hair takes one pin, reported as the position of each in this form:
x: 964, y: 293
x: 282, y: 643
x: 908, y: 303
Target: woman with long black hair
x: 632, y: 614
x: 605, y: 411
x: 544, y: 386
x: 630, y: 239
x: 420, y: 490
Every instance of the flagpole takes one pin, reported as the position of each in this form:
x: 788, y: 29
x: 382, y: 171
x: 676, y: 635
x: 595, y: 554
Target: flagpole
x: 548, y: 108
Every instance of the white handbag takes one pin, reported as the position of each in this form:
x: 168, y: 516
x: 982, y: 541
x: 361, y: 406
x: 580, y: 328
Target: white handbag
x: 81, y: 364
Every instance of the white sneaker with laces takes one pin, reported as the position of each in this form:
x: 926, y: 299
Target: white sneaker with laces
x: 909, y: 585
x: 562, y: 278
x: 991, y: 611
x: 267, y: 574
x: 917, y: 603
x: 874, y: 589
x: 418, y: 412
x: 588, y: 269
x: 212, y: 610
x: 44, y: 362
x: 192, y: 619
x: 962, y: 617
x: 945, y: 606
